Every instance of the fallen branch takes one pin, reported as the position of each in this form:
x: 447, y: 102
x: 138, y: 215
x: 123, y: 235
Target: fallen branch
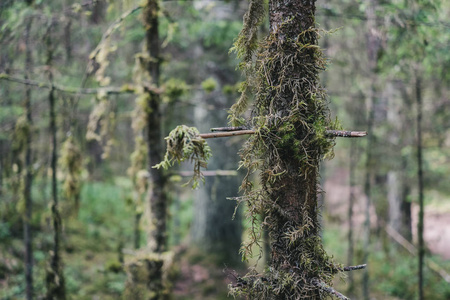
x: 233, y: 131
x: 70, y: 90
x: 328, y: 289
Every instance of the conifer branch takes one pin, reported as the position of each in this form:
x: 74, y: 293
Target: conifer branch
x: 70, y: 90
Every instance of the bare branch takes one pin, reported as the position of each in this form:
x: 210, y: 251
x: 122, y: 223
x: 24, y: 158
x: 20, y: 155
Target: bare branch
x: 352, y: 268
x: 343, y: 133
x: 70, y: 90
x: 112, y: 28
x: 328, y: 289
x: 232, y: 131
x: 225, y: 134
x: 228, y: 129
x: 210, y: 173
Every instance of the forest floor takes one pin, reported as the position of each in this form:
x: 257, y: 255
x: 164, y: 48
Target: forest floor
x: 437, y: 215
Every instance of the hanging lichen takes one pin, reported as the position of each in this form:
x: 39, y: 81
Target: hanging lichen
x: 246, y: 46
x: 101, y: 124
x: 184, y: 143
x: 71, y: 162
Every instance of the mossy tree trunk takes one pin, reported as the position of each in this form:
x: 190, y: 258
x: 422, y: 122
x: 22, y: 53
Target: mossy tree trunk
x: 55, y: 276
x: 157, y: 180
x: 290, y: 117
x: 146, y: 272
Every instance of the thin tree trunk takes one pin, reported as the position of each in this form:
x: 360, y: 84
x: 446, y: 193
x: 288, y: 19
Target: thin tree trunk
x: 145, y: 280
x: 55, y: 276
x: 28, y: 172
x: 373, y: 46
x: 420, y: 225
x: 156, y: 195
x: 137, y: 230
x: 350, y: 253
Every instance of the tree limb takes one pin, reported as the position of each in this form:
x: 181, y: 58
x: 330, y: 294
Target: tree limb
x: 328, y: 289
x: 70, y: 90
x: 352, y: 268
x: 232, y: 131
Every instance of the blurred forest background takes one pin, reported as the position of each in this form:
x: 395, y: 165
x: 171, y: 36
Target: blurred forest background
x: 72, y: 169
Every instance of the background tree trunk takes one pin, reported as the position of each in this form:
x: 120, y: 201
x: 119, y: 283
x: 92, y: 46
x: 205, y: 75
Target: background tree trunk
x: 420, y: 226
x: 28, y: 170
x: 55, y: 275
x: 373, y: 47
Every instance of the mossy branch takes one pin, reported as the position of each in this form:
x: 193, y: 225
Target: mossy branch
x: 185, y: 143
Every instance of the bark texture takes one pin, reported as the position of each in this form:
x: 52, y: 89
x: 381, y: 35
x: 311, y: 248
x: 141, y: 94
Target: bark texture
x: 290, y: 117
x: 147, y: 272
x: 55, y: 276
x: 28, y: 172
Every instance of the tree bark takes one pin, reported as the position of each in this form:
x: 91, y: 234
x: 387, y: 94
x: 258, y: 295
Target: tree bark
x: 156, y: 195
x: 373, y: 46
x: 146, y: 272
x: 55, y: 275
x: 28, y: 172
x: 420, y: 225
x: 351, y: 202
x: 289, y: 104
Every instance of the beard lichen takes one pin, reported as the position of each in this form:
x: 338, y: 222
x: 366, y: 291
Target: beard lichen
x: 184, y: 143
x: 289, y: 116
x: 71, y: 162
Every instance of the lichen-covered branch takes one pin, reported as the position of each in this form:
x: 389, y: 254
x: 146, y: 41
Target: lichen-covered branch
x: 185, y: 143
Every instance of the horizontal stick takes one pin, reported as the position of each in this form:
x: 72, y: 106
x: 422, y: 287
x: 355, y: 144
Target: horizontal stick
x: 210, y: 173
x: 227, y: 128
x: 69, y: 90
x: 328, y: 289
x: 226, y: 133
x: 351, y: 268
x: 343, y: 133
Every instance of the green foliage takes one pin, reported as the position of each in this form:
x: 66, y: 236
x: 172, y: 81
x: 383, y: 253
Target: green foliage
x: 184, y: 143
x: 173, y: 89
x: 209, y: 85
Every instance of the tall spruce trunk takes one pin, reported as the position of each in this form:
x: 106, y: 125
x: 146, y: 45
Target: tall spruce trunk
x: 420, y: 224
x: 28, y: 172
x: 55, y: 276
x: 156, y: 195
x: 373, y: 47
x: 145, y: 272
x: 290, y: 115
